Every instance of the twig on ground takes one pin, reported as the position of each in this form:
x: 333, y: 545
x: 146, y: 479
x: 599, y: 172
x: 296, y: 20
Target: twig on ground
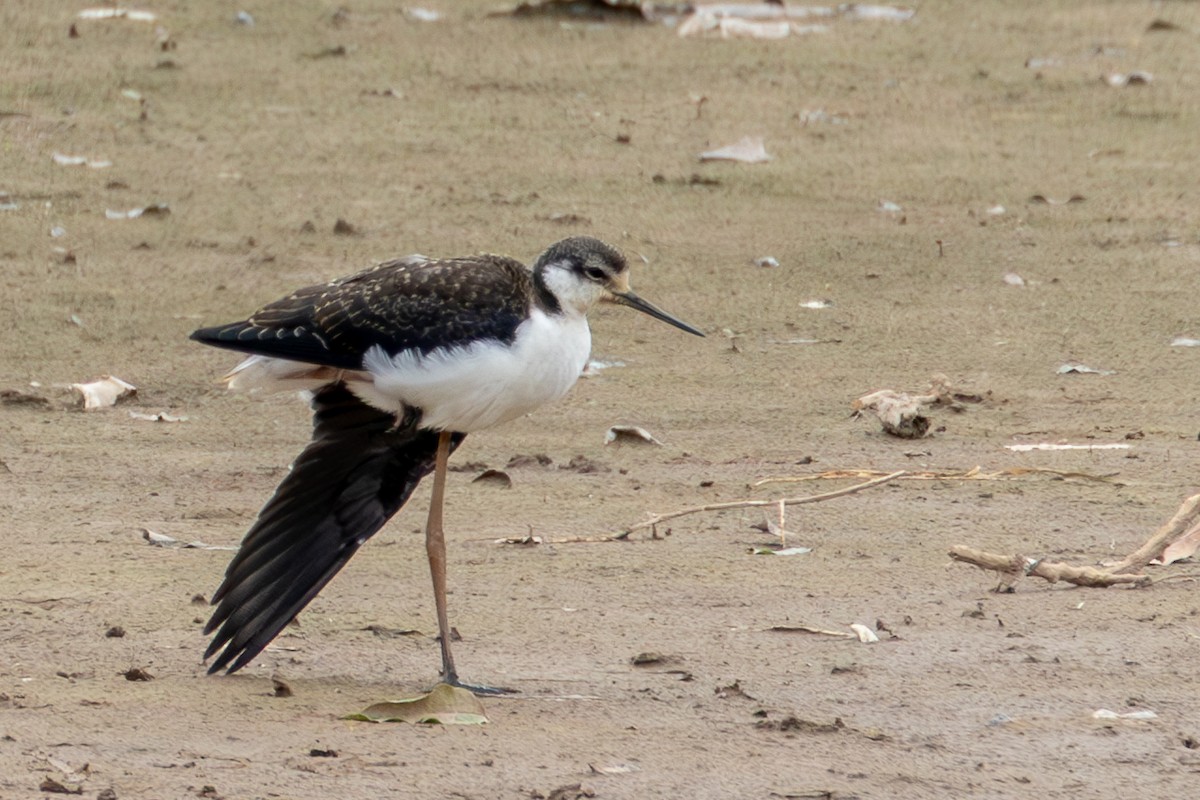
x: 791, y: 501
x: 973, y: 474
x: 1013, y: 568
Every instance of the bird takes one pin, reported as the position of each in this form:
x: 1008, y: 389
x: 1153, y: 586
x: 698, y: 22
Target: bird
x: 401, y: 360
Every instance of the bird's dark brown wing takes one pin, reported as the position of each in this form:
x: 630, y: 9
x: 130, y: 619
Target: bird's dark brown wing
x: 356, y: 473
x: 410, y: 303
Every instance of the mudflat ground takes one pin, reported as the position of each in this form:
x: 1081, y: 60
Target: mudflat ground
x: 475, y: 133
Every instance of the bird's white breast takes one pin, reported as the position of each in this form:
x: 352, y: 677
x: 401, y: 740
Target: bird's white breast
x: 484, y: 383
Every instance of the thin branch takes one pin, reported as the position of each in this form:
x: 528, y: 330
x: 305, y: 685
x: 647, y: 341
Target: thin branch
x: 1017, y: 566
x: 792, y: 501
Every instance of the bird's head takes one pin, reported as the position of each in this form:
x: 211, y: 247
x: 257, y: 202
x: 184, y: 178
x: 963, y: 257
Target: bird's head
x: 581, y: 271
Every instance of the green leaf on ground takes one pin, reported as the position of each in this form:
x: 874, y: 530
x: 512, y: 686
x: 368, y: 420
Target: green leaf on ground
x: 444, y: 705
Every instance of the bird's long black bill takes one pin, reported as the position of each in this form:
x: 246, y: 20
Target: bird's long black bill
x: 646, y: 307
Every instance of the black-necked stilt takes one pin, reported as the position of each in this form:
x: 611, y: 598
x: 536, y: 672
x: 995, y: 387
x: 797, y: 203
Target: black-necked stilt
x: 404, y: 360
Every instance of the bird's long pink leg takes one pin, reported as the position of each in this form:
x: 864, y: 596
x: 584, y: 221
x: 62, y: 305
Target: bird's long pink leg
x: 435, y: 549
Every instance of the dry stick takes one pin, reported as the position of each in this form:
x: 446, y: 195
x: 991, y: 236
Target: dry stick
x: 1179, y: 524
x: 1016, y: 566
x: 791, y: 501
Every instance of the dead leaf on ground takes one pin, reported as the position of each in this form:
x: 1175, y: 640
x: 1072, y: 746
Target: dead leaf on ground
x: 747, y: 150
x: 64, y: 160
x: 104, y: 392
x: 51, y: 786
x: 152, y: 210
x: 812, y: 630
x: 161, y: 416
x: 768, y: 550
x: 137, y: 674
x: 612, y: 769
x: 1183, y: 547
x: 654, y: 659
x: 1050, y: 201
x: 163, y: 540
x: 1083, y: 369
x: 494, y: 477
x: 624, y: 434
x: 117, y: 12
x: 444, y: 705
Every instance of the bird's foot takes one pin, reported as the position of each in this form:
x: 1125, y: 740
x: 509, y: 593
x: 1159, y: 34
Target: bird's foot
x: 477, y: 689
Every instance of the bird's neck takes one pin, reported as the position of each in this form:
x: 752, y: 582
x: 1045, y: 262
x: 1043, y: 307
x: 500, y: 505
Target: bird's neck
x: 561, y: 293
x: 546, y: 299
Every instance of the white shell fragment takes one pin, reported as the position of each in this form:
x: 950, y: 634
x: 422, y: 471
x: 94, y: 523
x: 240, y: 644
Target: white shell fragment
x: 105, y: 392
x: 865, y: 634
x: 747, y: 150
x: 162, y: 416
x: 1135, y: 78
x: 595, y: 366
x: 64, y: 160
x: 777, y: 21
x: 1013, y: 279
x: 1185, y: 341
x: 152, y: 210
x: 760, y: 550
x: 422, y: 14
x: 769, y: 262
x: 817, y: 304
x: 1083, y: 369
x: 117, y: 13
x: 1104, y: 713
x: 163, y: 540
x: 629, y: 433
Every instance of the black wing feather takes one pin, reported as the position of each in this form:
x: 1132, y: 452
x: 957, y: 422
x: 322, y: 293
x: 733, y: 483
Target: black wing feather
x: 357, y: 472
x: 403, y: 304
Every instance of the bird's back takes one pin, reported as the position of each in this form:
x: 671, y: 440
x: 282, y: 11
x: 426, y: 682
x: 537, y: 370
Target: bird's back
x: 412, y: 303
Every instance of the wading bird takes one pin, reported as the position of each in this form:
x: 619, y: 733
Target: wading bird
x: 403, y: 360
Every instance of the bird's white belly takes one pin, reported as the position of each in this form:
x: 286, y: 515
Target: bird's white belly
x: 485, y: 383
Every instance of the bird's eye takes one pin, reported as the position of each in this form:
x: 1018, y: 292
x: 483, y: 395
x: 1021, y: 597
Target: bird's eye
x: 595, y: 273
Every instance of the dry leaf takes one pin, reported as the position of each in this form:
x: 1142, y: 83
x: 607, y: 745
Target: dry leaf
x: 865, y: 634
x: 162, y: 416
x: 748, y: 150
x: 152, y: 210
x: 104, y: 392
x: 1183, y: 547
x: 612, y: 769
x: 445, y: 705
x: 622, y: 434
x: 117, y: 13
x: 1083, y: 369
x: 80, y: 161
x: 1051, y: 201
x: 494, y: 477
x: 900, y: 413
